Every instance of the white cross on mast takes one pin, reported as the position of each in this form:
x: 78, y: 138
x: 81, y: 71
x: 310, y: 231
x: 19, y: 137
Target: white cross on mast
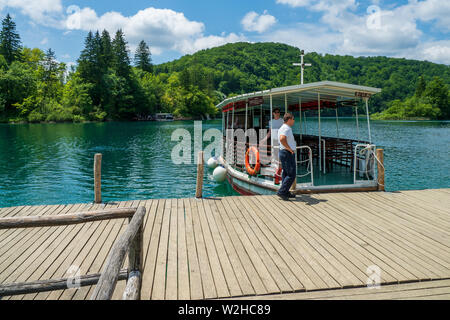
x: 302, y: 64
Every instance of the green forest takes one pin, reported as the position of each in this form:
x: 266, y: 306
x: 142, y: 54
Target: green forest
x: 243, y: 67
x: 110, y: 83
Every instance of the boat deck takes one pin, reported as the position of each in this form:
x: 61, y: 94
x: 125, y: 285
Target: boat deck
x: 319, y: 246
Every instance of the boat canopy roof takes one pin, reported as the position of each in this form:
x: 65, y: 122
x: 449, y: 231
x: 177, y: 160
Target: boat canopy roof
x: 332, y: 95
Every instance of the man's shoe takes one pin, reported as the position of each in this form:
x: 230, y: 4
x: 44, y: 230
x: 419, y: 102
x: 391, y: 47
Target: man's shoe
x: 292, y: 196
x: 283, y: 197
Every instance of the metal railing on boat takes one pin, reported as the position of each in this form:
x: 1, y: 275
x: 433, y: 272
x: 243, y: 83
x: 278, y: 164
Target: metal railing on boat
x: 309, y: 160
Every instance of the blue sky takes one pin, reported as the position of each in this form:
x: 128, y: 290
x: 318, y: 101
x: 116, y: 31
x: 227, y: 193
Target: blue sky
x: 417, y: 29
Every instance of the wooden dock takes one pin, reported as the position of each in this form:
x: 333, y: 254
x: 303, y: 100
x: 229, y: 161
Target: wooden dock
x: 316, y: 247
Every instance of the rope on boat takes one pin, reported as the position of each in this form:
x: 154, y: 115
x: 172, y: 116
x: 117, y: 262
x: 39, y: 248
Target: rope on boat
x: 299, y: 162
x: 302, y: 176
x: 309, y: 172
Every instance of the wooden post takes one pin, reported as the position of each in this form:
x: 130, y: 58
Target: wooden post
x: 107, y: 282
x: 200, y: 175
x: 380, y: 162
x: 135, y: 267
x: 133, y: 289
x: 98, y: 177
x: 136, y: 252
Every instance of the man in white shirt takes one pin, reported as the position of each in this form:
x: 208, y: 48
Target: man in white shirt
x: 277, y: 122
x: 274, y: 125
x: 288, y: 148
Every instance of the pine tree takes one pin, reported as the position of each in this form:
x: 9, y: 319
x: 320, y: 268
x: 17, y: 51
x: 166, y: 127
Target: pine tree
x: 50, y: 66
x: 98, y: 49
x: 50, y: 75
x: 421, y: 87
x: 142, y: 58
x: 121, y: 59
x: 107, y: 55
x: 10, y: 44
x: 86, y: 58
x: 90, y: 65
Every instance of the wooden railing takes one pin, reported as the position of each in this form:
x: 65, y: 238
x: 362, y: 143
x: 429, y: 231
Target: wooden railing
x: 131, y: 241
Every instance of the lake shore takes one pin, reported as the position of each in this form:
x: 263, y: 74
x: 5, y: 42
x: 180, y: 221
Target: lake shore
x: 199, y: 119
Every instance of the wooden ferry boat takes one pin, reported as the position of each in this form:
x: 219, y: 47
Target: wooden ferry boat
x: 324, y: 164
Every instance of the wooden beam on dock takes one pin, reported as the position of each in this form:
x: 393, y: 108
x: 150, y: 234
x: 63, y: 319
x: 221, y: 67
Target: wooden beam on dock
x: 64, y: 220
x: 52, y: 285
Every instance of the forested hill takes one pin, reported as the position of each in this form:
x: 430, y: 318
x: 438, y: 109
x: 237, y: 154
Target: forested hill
x: 108, y: 83
x: 245, y: 67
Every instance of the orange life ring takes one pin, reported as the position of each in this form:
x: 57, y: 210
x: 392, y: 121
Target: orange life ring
x: 252, y: 171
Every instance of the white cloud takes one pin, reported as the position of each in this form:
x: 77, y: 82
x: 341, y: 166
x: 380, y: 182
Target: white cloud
x: 392, y: 31
x: 432, y: 10
x: 436, y: 51
x: 163, y: 29
x: 308, y: 37
x: 344, y: 32
x: 188, y: 46
x: 259, y: 23
x: 45, y: 12
x: 319, y: 5
x: 295, y: 3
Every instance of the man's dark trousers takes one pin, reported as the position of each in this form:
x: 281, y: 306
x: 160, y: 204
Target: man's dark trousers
x: 289, y: 172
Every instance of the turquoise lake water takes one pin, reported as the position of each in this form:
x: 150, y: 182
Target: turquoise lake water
x: 53, y: 163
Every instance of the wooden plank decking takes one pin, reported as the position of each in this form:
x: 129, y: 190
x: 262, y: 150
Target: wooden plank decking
x: 426, y: 290
x: 319, y: 246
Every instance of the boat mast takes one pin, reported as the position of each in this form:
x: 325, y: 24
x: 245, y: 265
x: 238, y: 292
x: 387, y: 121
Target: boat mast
x: 302, y: 64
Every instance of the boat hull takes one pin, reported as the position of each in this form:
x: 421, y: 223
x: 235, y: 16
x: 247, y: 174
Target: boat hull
x: 246, y: 185
x: 248, y: 189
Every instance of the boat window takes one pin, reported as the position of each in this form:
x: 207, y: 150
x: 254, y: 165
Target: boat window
x: 256, y: 122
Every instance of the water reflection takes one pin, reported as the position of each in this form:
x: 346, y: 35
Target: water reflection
x: 53, y: 163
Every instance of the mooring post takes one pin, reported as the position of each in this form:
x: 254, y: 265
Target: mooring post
x: 380, y: 162
x: 200, y: 175
x: 98, y: 178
